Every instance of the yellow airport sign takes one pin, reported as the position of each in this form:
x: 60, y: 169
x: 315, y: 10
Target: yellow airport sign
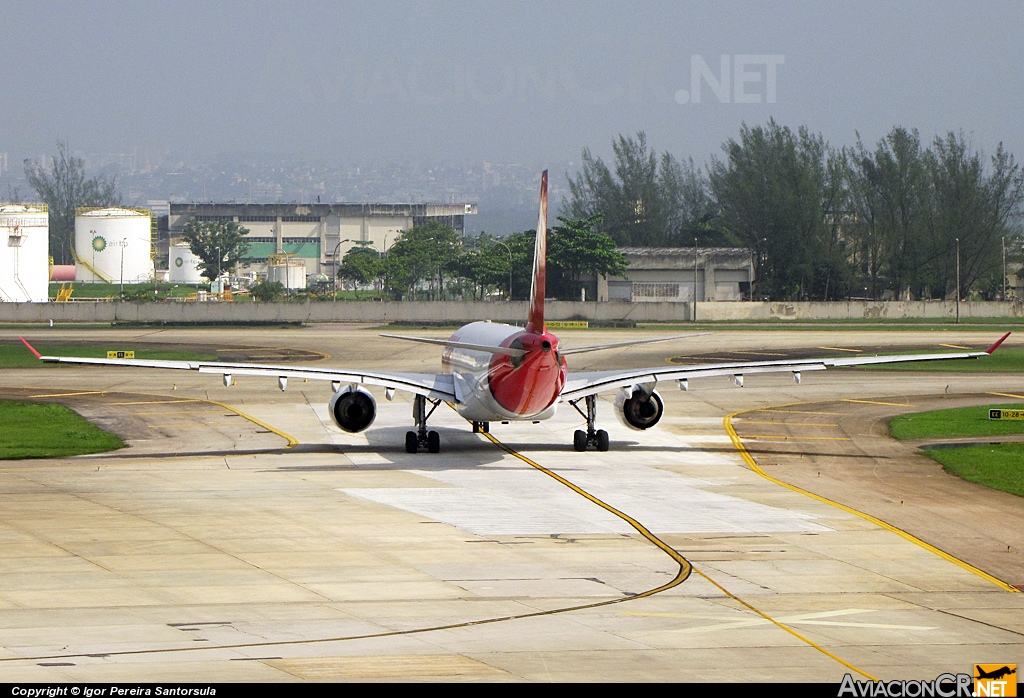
x: 1006, y: 414
x: 120, y: 354
x: 568, y: 324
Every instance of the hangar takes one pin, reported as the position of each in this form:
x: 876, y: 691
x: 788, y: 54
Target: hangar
x: 674, y: 274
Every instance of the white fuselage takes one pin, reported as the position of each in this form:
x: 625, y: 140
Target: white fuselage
x: 473, y: 371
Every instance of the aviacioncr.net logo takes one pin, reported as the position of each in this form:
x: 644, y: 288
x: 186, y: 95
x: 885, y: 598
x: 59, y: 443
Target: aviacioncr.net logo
x: 943, y: 686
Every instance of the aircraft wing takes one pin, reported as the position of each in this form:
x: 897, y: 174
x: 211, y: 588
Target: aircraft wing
x: 583, y: 383
x: 437, y: 386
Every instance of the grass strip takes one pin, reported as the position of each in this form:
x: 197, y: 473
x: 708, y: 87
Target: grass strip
x: 957, y: 422
x: 999, y: 466
x: 18, y: 356
x: 34, y: 430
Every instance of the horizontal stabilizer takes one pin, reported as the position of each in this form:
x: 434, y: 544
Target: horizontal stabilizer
x: 507, y: 351
x: 616, y: 345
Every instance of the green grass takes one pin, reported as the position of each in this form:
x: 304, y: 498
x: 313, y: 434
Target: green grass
x: 957, y: 422
x: 853, y: 324
x: 999, y: 466
x: 18, y: 355
x: 100, y: 290
x: 34, y: 430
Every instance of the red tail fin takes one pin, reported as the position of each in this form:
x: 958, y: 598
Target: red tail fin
x: 540, y: 254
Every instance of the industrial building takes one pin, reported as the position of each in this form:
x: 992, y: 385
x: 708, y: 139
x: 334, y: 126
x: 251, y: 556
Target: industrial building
x: 677, y: 274
x: 313, y: 236
x: 24, y: 253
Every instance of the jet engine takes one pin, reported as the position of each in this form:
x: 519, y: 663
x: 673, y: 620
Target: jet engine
x: 638, y: 409
x: 353, y: 409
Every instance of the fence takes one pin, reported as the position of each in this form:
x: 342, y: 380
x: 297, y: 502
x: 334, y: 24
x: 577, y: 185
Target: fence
x: 458, y: 312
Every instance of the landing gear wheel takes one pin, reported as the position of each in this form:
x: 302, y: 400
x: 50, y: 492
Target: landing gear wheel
x: 433, y: 442
x: 412, y: 442
x: 602, y: 440
x: 579, y: 440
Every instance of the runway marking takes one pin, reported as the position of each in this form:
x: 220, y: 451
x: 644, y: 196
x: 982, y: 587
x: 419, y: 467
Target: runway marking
x: 796, y: 619
x: 796, y: 424
x: 179, y: 412
x: 671, y: 553
x: 160, y: 402
x: 85, y: 392
x: 765, y: 409
x: 855, y: 351
x: 953, y: 346
x: 749, y: 459
x: 874, y: 402
x: 169, y: 426
x: 1019, y: 397
x: 292, y: 441
x: 801, y: 438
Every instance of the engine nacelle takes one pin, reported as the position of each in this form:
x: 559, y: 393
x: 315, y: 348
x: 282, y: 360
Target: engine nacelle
x: 637, y: 410
x: 353, y: 409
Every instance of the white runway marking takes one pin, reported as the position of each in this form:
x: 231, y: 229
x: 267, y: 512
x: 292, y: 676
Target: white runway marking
x: 497, y: 500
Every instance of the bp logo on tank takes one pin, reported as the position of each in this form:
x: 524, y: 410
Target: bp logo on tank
x: 99, y: 243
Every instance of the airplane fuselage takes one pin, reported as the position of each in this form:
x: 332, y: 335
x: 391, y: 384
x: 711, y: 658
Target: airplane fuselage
x: 494, y: 387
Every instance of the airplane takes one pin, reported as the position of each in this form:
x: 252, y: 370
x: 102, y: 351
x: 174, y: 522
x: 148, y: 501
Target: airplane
x: 996, y: 674
x: 497, y: 372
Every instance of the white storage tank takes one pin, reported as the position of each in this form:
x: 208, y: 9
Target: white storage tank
x: 24, y: 253
x: 113, y: 245
x: 289, y: 271
x: 184, y: 266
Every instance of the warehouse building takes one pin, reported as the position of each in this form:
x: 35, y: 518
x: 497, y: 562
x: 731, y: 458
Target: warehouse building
x: 676, y: 274
x: 317, y: 236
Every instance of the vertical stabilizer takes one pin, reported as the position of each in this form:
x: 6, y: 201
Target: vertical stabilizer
x: 540, y: 256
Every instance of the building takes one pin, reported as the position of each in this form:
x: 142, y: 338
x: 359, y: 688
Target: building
x: 670, y: 274
x: 317, y: 234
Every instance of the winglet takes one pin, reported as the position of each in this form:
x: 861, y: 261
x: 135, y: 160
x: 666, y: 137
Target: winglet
x: 39, y: 356
x: 535, y: 323
x: 998, y: 342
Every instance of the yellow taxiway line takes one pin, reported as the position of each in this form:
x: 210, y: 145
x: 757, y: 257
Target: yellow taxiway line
x: 685, y: 565
x: 875, y: 402
x: 749, y: 459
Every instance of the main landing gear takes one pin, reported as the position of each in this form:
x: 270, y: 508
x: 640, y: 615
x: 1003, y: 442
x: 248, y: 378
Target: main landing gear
x: 597, y: 438
x: 421, y: 438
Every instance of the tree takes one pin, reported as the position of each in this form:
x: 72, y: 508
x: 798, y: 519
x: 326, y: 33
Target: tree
x: 218, y: 244
x: 427, y: 252
x: 267, y: 291
x: 973, y: 205
x: 577, y: 247
x: 889, y: 189
x: 648, y: 201
x: 361, y: 265
x: 64, y: 188
x: 783, y: 195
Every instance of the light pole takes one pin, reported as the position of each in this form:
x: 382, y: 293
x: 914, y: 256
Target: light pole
x: 122, y: 245
x: 337, y: 248
x: 1004, y: 267
x: 958, y: 281
x: 509, y: 267
x: 695, y: 279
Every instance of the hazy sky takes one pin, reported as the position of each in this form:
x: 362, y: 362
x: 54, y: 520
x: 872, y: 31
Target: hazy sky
x: 470, y: 81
